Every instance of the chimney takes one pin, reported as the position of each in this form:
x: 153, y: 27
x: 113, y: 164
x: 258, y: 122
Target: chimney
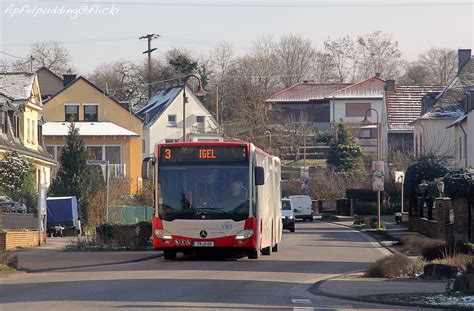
x: 377, y: 74
x: 390, y: 85
x: 68, y: 78
x: 464, y: 56
x: 427, y: 101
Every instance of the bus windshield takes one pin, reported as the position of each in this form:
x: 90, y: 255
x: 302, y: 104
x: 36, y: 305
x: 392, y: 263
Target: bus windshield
x: 199, y: 191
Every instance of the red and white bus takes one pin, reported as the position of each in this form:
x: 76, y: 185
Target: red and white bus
x: 222, y: 195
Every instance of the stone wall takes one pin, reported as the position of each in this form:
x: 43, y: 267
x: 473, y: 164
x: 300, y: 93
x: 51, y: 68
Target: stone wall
x: 12, y: 239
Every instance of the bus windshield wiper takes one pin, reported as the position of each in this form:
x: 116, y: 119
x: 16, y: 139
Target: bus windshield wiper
x: 211, y: 209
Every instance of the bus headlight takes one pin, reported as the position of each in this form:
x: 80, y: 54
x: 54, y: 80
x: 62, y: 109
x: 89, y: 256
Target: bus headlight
x: 163, y: 235
x: 245, y: 234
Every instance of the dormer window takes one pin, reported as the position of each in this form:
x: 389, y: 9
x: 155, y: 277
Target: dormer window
x: 71, y: 112
x: 91, y: 113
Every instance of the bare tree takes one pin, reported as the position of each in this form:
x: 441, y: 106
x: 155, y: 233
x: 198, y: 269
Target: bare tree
x: 49, y: 54
x: 296, y: 57
x: 122, y: 79
x: 440, y: 64
x: 324, y: 68
x: 342, y: 55
x: 377, y: 53
x: 415, y: 74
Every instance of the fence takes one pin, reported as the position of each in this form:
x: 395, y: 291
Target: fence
x: 19, y: 221
x: 130, y: 214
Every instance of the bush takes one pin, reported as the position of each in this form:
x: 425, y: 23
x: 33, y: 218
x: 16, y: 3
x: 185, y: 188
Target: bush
x: 463, y: 262
x: 134, y: 237
x: 368, y: 208
x: 395, y: 266
x: 8, y: 260
x: 429, y: 248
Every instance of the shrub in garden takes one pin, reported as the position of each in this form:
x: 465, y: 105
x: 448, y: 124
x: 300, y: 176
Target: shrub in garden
x: 429, y: 248
x: 395, y: 266
x: 134, y: 236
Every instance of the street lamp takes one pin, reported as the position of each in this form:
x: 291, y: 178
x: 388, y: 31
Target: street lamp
x: 270, y: 135
x: 200, y: 92
x: 366, y: 121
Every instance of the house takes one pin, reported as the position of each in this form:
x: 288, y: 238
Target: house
x: 110, y: 131
x: 433, y: 136
x: 163, y: 119
x: 326, y: 104
x: 307, y: 100
x: 403, y: 106
x: 49, y: 82
x: 464, y: 133
x: 21, y: 121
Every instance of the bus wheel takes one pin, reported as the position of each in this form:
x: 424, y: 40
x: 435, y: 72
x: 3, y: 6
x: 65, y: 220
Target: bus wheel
x: 169, y: 254
x: 253, y: 254
x: 275, y: 248
x: 267, y: 251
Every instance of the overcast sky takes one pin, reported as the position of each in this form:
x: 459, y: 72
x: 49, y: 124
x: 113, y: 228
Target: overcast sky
x: 111, y: 33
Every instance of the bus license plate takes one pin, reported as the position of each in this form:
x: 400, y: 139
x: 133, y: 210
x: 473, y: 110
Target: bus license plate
x: 203, y: 244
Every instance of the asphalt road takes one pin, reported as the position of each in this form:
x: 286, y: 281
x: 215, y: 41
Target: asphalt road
x: 314, y: 252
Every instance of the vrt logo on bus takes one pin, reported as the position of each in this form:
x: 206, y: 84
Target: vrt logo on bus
x: 182, y: 242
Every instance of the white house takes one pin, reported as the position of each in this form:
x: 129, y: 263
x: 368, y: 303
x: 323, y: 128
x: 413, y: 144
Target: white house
x: 433, y: 135
x: 464, y: 133
x: 350, y: 105
x: 163, y: 119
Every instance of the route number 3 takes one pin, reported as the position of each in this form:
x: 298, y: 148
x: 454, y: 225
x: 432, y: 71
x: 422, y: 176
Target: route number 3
x: 167, y: 154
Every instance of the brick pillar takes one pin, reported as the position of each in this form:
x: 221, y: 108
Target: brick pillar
x: 461, y: 220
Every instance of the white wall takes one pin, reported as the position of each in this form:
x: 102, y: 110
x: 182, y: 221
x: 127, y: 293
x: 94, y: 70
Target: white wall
x: 437, y: 140
x: 160, y: 131
x: 338, y: 110
x: 470, y: 139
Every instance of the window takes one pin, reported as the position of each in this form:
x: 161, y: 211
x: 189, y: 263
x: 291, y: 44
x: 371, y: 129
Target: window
x: 32, y: 138
x: 365, y: 134
x: 168, y: 141
x: 40, y: 134
x: 50, y: 150
x: 28, y: 130
x: 200, y: 121
x: 4, y: 116
x: 357, y: 109
x: 172, y: 120
x: 91, y: 113
x: 71, y: 113
x: 143, y: 146
x: 113, y: 154
x: 95, y: 152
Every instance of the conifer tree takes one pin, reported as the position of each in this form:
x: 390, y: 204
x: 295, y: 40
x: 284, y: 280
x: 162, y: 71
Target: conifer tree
x: 74, y: 175
x: 344, y: 154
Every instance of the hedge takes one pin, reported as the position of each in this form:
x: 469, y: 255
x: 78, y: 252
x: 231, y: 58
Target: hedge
x: 365, y: 195
x: 134, y: 237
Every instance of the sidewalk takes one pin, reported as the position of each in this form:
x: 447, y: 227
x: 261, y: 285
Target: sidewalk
x: 51, y: 257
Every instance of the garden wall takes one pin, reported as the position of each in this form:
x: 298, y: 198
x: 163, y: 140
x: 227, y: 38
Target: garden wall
x: 12, y: 239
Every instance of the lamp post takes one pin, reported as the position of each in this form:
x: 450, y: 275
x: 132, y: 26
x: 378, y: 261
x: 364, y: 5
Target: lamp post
x: 270, y: 135
x: 200, y: 92
x: 366, y: 121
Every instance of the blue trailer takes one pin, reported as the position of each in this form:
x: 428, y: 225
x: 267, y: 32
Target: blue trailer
x: 62, y: 217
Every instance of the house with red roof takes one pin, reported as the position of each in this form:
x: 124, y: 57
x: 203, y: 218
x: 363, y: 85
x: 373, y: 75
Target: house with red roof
x: 326, y: 104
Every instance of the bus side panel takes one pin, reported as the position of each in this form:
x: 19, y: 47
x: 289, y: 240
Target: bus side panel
x: 277, y: 200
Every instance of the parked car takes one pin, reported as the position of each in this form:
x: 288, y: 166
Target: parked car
x: 287, y: 216
x: 7, y: 205
x: 302, y: 207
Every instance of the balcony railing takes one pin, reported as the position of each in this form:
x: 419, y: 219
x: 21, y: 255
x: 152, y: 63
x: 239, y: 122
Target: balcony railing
x: 118, y: 170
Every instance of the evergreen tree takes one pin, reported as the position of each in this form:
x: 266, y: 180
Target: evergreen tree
x: 345, y: 155
x: 74, y: 175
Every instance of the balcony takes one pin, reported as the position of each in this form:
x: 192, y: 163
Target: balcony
x: 117, y: 170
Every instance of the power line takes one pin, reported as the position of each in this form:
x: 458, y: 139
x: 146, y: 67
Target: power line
x: 14, y: 56
x: 281, y: 4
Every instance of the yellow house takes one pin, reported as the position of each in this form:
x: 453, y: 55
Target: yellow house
x: 110, y: 131
x: 21, y: 122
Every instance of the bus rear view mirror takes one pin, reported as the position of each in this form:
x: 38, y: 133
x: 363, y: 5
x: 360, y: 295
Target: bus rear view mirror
x: 146, y: 167
x: 259, y: 176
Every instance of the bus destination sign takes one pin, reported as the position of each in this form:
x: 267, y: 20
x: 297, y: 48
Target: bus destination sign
x: 173, y: 154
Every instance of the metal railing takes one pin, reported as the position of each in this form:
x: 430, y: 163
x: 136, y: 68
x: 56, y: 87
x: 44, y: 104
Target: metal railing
x: 118, y: 170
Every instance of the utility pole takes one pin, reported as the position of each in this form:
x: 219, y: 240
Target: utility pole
x: 149, y: 37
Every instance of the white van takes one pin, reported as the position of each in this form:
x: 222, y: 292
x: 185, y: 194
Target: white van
x: 302, y: 207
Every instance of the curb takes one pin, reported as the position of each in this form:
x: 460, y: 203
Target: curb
x: 365, y: 235
x: 315, y: 289
x: 91, y: 265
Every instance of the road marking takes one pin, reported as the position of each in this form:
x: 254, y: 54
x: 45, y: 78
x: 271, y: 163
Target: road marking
x: 303, y: 308
x: 307, y: 301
